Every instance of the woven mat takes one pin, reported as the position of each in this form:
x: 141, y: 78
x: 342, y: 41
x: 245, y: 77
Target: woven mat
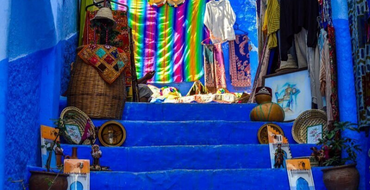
x: 109, y: 61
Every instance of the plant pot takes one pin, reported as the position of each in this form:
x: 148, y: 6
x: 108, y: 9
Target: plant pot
x: 41, y: 180
x: 341, y: 177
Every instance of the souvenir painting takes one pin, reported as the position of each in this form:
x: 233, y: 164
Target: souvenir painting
x: 291, y: 91
x: 300, y: 174
x: 314, y: 134
x: 72, y: 134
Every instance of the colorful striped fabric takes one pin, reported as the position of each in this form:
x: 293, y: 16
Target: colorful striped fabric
x: 167, y: 39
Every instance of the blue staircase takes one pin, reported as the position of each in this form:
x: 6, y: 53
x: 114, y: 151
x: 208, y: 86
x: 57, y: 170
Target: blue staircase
x: 191, y: 146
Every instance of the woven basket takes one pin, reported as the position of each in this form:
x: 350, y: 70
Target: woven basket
x: 74, y: 116
x: 90, y: 93
x: 307, y: 119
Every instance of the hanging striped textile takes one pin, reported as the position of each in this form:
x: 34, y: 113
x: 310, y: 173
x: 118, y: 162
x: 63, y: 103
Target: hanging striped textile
x: 167, y: 39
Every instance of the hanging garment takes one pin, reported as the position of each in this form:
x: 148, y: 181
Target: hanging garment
x: 325, y: 75
x: 313, y: 60
x: 83, y: 5
x: 219, y: 18
x: 333, y: 77
x: 295, y: 15
x: 358, y: 11
x: 214, y: 67
x: 261, y: 18
x: 273, y: 22
x: 239, y: 61
x: 300, y: 41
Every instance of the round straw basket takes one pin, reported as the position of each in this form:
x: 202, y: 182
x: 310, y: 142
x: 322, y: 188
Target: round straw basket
x: 74, y: 116
x: 90, y: 93
x: 305, y: 120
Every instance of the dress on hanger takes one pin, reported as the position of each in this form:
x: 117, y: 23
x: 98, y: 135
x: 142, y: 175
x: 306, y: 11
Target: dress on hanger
x: 219, y: 18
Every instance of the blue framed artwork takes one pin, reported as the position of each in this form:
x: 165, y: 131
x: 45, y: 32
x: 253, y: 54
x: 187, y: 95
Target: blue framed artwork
x: 292, y: 91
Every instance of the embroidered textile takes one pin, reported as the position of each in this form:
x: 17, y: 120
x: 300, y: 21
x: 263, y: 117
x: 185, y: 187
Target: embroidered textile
x: 358, y: 11
x: 240, y: 70
x: 214, y: 67
x: 108, y: 60
x: 334, y: 102
x: 120, y: 37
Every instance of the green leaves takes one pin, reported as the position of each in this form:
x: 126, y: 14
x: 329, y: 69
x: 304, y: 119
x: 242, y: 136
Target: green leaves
x: 339, y: 144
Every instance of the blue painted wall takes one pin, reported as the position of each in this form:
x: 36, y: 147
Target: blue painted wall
x: 4, y: 24
x: 346, y: 85
x: 41, y: 43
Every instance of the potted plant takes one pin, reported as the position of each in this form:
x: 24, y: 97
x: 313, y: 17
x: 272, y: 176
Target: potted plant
x: 343, y: 174
x: 44, y: 180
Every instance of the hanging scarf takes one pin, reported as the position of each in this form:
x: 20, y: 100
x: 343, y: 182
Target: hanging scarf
x: 239, y: 61
x: 214, y: 67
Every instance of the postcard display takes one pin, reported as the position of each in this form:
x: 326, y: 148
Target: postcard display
x: 79, y: 174
x: 299, y: 170
x: 300, y: 174
x: 47, y: 138
x: 279, y: 148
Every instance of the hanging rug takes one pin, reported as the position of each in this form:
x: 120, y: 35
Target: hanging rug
x: 109, y: 61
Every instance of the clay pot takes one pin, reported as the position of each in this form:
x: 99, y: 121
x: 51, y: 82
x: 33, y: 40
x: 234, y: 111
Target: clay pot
x: 263, y: 98
x: 59, y: 159
x: 40, y: 180
x: 267, y: 112
x: 341, y: 177
x: 74, y: 153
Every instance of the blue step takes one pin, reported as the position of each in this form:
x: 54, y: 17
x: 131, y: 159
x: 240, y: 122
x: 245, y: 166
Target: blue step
x: 152, y: 158
x: 229, y: 179
x: 157, y: 133
x: 185, y: 179
x: 182, y: 112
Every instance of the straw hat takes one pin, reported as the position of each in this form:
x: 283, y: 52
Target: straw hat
x: 175, y: 3
x: 289, y: 64
x: 105, y: 15
x: 157, y: 3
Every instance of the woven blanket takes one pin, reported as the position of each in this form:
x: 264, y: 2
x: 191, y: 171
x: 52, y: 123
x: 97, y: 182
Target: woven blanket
x: 109, y: 61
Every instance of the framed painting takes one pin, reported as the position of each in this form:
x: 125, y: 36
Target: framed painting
x: 314, y: 133
x: 292, y: 91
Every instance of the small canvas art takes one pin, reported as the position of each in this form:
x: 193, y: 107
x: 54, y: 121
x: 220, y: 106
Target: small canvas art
x: 292, y: 92
x: 300, y: 174
x: 314, y: 134
x: 73, y: 133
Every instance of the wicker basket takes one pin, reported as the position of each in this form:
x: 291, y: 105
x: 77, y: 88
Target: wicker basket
x: 74, y: 116
x: 90, y: 93
x: 307, y: 119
